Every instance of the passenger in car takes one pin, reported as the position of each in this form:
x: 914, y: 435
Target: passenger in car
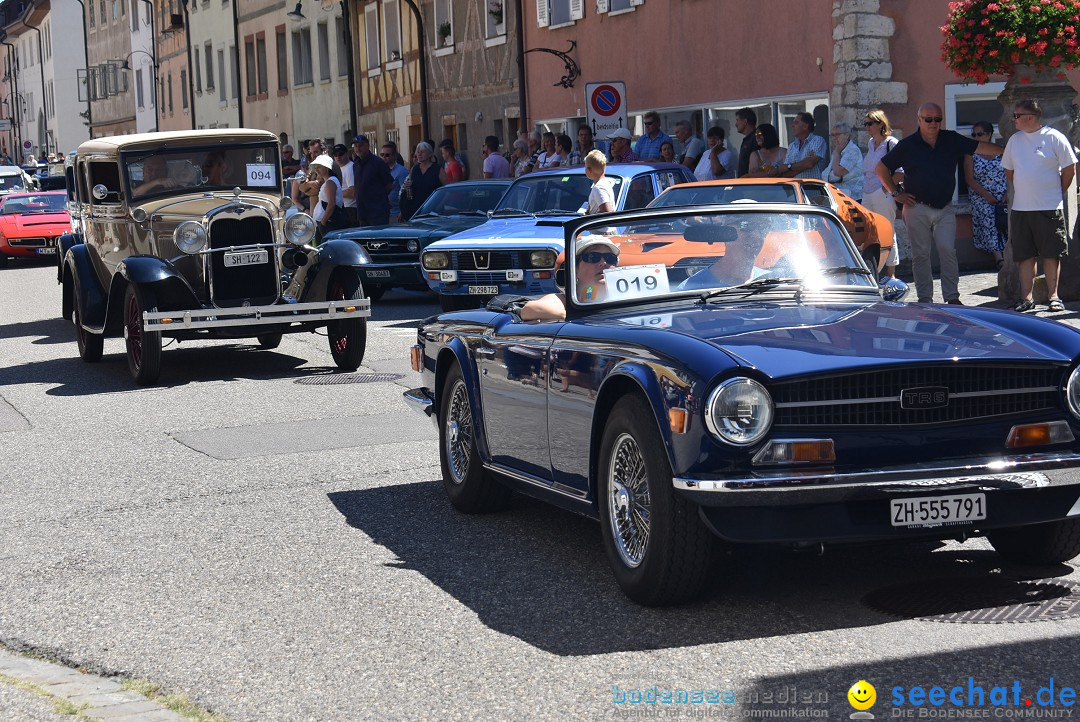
x: 593, y: 255
x: 215, y: 168
x: 155, y: 175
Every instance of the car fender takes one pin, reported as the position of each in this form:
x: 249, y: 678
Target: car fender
x: 171, y: 290
x: 453, y: 352
x: 328, y: 256
x: 92, y: 298
x: 627, y: 377
x: 63, y: 245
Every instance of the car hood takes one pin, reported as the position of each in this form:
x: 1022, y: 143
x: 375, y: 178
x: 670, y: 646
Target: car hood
x: 788, y: 339
x: 439, y: 227
x: 197, y: 205
x: 35, y: 224
x: 520, y: 232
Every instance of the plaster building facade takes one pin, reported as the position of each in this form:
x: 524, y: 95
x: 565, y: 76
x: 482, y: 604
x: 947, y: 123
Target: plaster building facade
x: 141, y: 65
x: 389, y: 81
x: 112, y: 99
x: 318, y: 76
x: 266, y: 25
x: 170, y: 28
x: 212, y: 28
x: 40, y: 95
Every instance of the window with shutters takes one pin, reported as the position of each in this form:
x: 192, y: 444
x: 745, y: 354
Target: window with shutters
x: 260, y: 63
x: 342, y: 52
x: 282, y: 62
x: 209, y: 54
x: 139, y: 101
x: 198, y: 72
x: 234, y: 66
x: 443, y: 35
x: 561, y: 12
x: 183, y: 90
x: 249, y: 57
x: 371, y: 39
x: 302, y: 57
x: 222, y: 88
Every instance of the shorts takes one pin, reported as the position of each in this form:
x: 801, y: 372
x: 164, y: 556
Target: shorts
x: 1037, y: 234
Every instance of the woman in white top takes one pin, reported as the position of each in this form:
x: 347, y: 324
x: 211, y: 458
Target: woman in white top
x: 330, y: 194
x: 874, y: 196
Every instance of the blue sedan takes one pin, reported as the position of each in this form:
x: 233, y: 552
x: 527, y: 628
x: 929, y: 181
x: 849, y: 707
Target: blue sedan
x: 734, y: 372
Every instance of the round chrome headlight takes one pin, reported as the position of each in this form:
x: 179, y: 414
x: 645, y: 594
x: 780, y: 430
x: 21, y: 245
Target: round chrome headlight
x: 435, y: 260
x: 190, y: 237
x: 1072, y: 392
x: 299, y: 229
x: 413, y: 245
x: 542, y: 259
x: 739, y: 411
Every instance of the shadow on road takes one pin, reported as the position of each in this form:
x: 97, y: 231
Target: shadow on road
x: 540, y: 574
x: 49, y: 331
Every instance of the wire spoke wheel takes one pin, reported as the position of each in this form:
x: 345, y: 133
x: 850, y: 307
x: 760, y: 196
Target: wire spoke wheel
x: 629, y: 506
x: 459, y: 434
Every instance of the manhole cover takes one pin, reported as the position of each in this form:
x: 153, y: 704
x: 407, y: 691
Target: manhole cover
x: 324, y: 379
x: 982, y: 600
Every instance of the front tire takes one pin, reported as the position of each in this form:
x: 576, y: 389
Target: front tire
x: 658, y: 547
x: 1039, y: 544
x: 269, y: 341
x: 143, y: 347
x: 470, y: 489
x: 348, y: 337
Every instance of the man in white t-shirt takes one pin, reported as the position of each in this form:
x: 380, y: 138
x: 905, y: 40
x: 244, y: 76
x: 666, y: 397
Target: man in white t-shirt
x: 602, y: 196
x: 348, y: 185
x: 495, y: 166
x: 1040, y: 165
x: 718, y: 162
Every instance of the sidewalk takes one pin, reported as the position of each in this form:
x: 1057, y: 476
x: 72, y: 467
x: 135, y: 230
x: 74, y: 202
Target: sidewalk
x: 979, y: 288
x: 31, y: 689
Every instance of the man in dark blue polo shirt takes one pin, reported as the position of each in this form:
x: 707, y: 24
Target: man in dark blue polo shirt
x: 373, y: 182
x: 929, y: 159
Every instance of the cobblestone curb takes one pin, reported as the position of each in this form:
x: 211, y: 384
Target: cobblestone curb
x: 99, y: 698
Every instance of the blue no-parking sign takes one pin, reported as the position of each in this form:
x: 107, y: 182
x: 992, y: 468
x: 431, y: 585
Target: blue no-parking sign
x: 605, y: 106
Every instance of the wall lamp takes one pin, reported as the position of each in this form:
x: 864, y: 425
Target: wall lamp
x: 296, y: 15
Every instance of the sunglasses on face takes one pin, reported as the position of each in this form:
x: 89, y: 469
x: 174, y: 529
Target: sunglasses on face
x: 979, y: 134
x: 868, y: 123
x: 1018, y: 116
x: 386, y: 155
x: 932, y: 119
x: 596, y: 256
x: 759, y: 135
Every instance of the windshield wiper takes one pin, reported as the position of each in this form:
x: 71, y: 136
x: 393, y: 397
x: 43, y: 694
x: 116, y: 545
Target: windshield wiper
x: 749, y: 288
x: 472, y: 213
x: 426, y: 215
x: 509, y: 212
x: 554, y: 212
x: 837, y: 270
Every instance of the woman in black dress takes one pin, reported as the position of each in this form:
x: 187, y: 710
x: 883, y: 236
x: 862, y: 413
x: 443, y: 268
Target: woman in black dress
x: 422, y: 181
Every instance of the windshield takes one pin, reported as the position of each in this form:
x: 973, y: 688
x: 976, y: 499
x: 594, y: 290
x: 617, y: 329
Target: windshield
x: 706, y: 195
x: 11, y: 182
x: 43, y: 203
x: 461, y: 198
x: 566, y: 192
x: 730, y: 252
x: 250, y: 167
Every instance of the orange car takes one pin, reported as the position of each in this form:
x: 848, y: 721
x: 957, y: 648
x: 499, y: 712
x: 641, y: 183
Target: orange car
x: 867, y: 229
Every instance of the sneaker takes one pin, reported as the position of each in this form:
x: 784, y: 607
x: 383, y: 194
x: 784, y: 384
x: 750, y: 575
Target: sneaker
x: 1024, y: 306
x: 1056, y: 305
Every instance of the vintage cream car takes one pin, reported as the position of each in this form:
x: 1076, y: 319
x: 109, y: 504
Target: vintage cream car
x: 184, y: 235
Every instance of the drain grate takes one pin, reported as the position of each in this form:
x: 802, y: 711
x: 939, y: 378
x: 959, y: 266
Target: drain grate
x: 324, y: 379
x: 981, y: 600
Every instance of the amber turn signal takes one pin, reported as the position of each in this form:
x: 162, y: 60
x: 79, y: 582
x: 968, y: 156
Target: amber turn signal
x: 1043, y: 434
x: 797, y: 451
x: 416, y: 358
x: 677, y: 419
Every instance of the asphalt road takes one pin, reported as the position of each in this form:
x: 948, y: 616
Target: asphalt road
x: 280, y: 549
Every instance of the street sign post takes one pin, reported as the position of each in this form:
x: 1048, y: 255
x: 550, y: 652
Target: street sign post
x: 606, y: 107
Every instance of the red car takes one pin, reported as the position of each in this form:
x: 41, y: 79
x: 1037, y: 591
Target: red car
x: 30, y: 223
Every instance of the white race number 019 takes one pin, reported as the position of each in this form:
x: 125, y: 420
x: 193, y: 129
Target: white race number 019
x: 635, y: 281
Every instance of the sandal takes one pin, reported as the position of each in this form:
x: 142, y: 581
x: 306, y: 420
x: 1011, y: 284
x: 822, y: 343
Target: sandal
x: 1056, y: 305
x: 1024, y: 306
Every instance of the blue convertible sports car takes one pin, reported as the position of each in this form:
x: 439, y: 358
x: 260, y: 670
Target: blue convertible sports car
x: 733, y: 371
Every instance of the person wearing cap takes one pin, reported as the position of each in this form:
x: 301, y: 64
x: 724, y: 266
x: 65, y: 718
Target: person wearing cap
x: 328, y: 212
x: 592, y: 256
x: 372, y: 183
x: 620, y: 146
x: 348, y: 186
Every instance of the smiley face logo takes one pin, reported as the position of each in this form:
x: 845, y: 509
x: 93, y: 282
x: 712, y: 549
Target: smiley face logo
x: 862, y: 695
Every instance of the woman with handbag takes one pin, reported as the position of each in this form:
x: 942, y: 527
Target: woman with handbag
x: 986, y: 189
x: 329, y: 213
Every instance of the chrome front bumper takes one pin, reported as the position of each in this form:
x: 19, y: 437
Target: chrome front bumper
x: 789, y: 486
x: 257, y: 315
x: 421, y: 400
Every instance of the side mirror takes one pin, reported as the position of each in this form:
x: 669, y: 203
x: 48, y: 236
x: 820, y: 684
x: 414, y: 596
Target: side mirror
x: 100, y: 192
x: 893, y: 289
x: 560, y: 278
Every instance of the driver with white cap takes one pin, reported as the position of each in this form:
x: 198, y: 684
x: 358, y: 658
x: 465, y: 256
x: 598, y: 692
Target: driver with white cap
x: 593, y: 255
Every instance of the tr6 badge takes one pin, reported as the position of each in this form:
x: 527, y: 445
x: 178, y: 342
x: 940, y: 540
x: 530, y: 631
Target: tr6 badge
x: 924, y: 397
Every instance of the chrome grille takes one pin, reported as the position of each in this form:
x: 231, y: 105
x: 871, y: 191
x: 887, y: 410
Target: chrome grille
x: 390, y: 250
x: 475, y: 260
x: 257, y: 284
x: 872, y: 399
x: 32, y: 242
x: 482, y: 277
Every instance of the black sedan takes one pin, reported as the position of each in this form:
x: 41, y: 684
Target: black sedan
x: 734, y: 372
x: 395, y: 249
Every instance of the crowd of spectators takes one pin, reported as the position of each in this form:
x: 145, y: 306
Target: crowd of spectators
x: 913, y: 179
